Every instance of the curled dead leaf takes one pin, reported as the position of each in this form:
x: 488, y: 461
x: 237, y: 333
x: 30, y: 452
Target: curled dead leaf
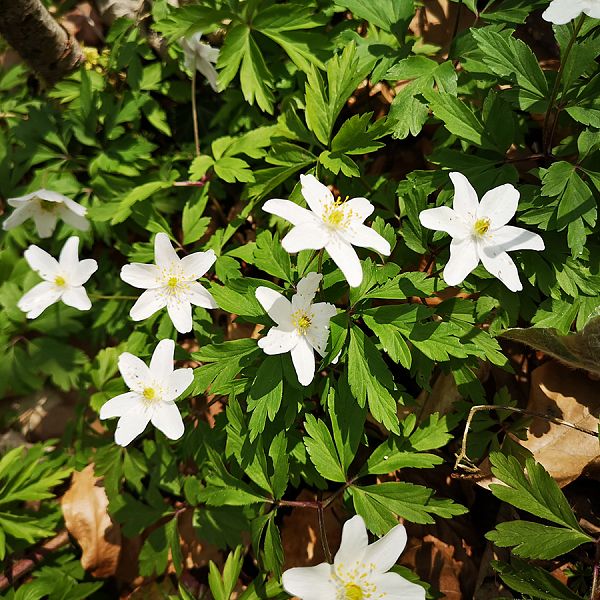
x: 84, y: 507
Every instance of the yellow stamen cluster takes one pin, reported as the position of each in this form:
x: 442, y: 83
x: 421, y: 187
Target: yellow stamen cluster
x: 301, y: 321
x: 481, y: 226
x: 59, y: 281
x: 354, y: 583
x: 336, y: 215
x: 172, y: 282
x: 149, y: 394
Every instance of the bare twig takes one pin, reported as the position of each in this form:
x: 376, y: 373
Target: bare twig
x: 27, y: 564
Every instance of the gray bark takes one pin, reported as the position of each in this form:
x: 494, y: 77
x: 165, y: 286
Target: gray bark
x: 40, y: 41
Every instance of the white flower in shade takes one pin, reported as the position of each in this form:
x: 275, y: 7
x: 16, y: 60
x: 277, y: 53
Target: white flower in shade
x: 359, y: 570
x: 480, y: 232
x: 63, y: 279
x: 152, y: 396
x: 562, y: 11
x: 201, y: 57
x: 302, y: 326
x: 171, y: 282
x: 330, y: 224
x: 45, y: 207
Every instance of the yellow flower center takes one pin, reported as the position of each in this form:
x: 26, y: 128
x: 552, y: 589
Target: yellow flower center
x: 482, y: 226
x: 59, y: 281
x: 335, y: 214
x: 47, y: 205
x: 301, y: 321
x: 149, y: 394
x: 172, y: 282
x: 353, y: 592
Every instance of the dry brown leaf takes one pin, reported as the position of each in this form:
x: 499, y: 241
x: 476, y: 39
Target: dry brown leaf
x: 196, y: 553
x: 300, y: 533
x: 570, y: 395
x: 84, y: 508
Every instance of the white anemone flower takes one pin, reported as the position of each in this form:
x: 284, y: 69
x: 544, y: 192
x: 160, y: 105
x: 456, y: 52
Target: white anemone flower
x: 359, y: 570
x: 302, y: 326
x: 561, y: 12
x: 154, y: 390
x: 63, y: 279
x: 201, y: 57
x: 45, y: 207
x: 171, y: 282
x: 330, y: 224
x: 480, y: 232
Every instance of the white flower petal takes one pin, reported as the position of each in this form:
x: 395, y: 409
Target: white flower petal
x: 77, y: 298
x: 385, y: 552
x: 308, y: 236
x: 180, y: 312
x: 499, y: 205
x: 45, y: 223
x: 360, y: 208
x: 22, y: 200
x: 394, y: 586
x: 306, y: 289
x: 303, y: 358
x: 290, y: 211
x: 345, y: 257
x: 42, y: 263
x: 208, y: 53
x: 71, y: 218
x: 593, y: 9
x: 310, y: 583
x: 278, y: 341
x: 75, y: 207
x: 161, y: 363
x: 134, y: 372
x: 147, y: 304
x: 209, y: 72
x: 164, y: 255
x: 119, y: 405
x: 18, y: 216
x: 445, y: 219
x: 510, y: 238
x: 38, y: 299
x: 463, y: 259
x: 198, y: 295
x: 69, y: 255
x: 561, y: 12
x: 141, y: 276
x: 354, y: 542
x: 130, y: 426
x: 84, y: 270
x: 465, y: 197
x: 179, y: 381
x: 501, y: 266
x: 195, y: 265
x: 277, y: 306
x: 317, y: 195
x: 167, y: 418
x: 50, y: 196
x: 366, y: 237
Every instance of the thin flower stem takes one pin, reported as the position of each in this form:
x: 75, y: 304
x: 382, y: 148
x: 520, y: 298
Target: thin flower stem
x: 323, y: 533
x: 310, y: 261
x: 549, y: 135
x: 320, y: 263
x: 195, y: 115
x: 462, y: 455
x: 102, y: 297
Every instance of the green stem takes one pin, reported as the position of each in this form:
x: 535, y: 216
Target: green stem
x: 195, y: 115
x: 320, y: 263
x: 548, y: 135
x: 102, y: 297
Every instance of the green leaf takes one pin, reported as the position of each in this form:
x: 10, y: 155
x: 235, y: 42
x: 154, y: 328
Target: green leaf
x: 269, y: 256
x: 534, y: 491
x: 232, y: 169
x: 536, y: 540
x: 370, y: 379
x: 264, y: 398
x: 321, y: 449
x: 390, y: 15
x: 533, y: 581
